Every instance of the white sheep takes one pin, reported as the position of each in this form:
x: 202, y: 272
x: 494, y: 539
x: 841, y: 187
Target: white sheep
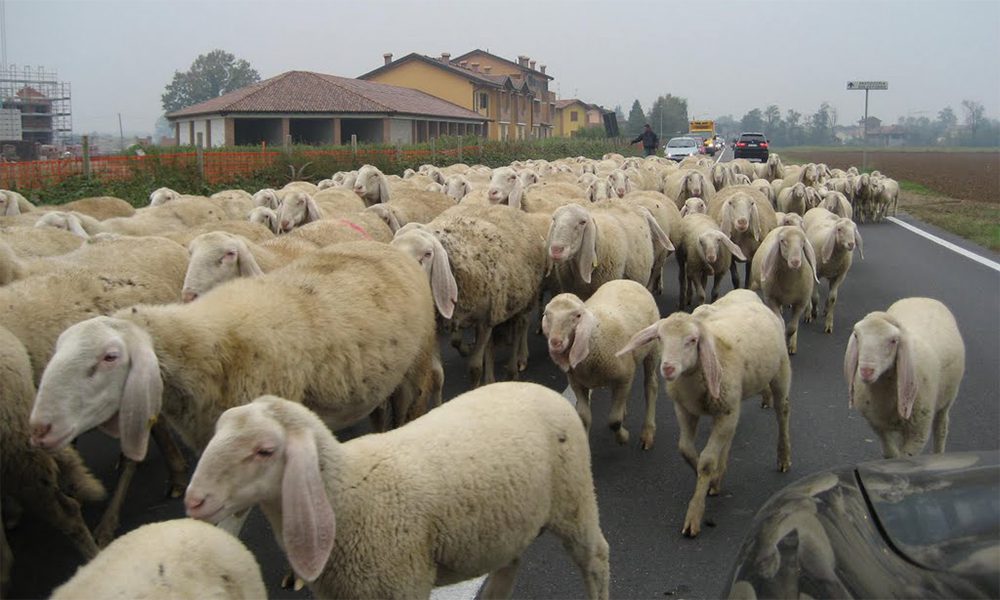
x: 49, y: 485
x: 667, y: 216
x: 688, y: 183
x: 267, y: 197
x: 371, y: 185
x: 784, y: 270
x: 712, y: 361
x: 411, y: 206
x: 705, y: 251
x: 100, y: 207
x: 746, y: 216
x: 590, y: 247
x: 903, y: 368
x: 694, y: 206
x: 834, y: 241
x: 837, y: 203
x: 457, y: 187
x: 162, y: 196
x: 792, y: 199
x: 182, y: 558
x: 12, y: 204
x: 516, y: 463
x: 583, y: 338
x: 266, y: 217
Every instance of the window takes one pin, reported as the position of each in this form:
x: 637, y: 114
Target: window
x: 574, y: 116
x: 484, y: 100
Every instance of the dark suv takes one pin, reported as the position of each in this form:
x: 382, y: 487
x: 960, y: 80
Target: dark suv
x: 751, y: 146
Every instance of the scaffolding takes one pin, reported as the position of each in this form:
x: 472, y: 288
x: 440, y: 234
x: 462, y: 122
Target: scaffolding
x: 43, y: 101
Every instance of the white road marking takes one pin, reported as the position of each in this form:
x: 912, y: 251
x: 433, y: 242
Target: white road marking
x: 465, y: 590
x: 958, y: 249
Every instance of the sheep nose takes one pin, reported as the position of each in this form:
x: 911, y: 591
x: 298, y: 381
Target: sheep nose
x: 867, y: 374
x: 39, y: 431
x: 668, y: 371
x: 189, y: 296
x: 285, y: 224
x: 193, y: 501
x: 556, y: 251
x: 741, y: 224
x: 795, y: 263
x: 556, y: 343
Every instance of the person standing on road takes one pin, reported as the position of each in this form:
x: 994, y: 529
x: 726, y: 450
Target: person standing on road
x: 649, y: 140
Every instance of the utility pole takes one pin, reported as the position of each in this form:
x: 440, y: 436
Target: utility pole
x: 866, y: 86
x: 121, y: 132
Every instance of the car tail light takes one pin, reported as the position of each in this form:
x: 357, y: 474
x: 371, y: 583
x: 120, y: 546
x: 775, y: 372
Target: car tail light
x: 741, y: 144
x: 763, y: 144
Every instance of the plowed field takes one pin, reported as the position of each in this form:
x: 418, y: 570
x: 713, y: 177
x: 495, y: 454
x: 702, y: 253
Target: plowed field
x: 963, y: 175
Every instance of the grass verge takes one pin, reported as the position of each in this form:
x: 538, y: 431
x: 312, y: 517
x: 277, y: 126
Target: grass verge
x: 978, y: 222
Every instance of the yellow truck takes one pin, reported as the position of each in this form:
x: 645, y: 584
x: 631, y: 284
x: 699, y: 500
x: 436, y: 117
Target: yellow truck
x: 706, y: 131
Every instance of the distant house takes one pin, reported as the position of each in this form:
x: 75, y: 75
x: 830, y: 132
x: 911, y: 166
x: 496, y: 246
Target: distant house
x: 573, y: 114
x: 513, y: 97
x: 315, y: 108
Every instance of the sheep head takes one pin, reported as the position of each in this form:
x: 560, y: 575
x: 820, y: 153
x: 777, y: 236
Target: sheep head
x: 216, y: 257
x: 266, y: 197
x: 162, y: 196
x: 297, y: 208
x: 573, y: 233
x: 877, y: 344
x: 371, y: 185
x: 568, y: 325
x: 427, y: 250
x: 505, y: 187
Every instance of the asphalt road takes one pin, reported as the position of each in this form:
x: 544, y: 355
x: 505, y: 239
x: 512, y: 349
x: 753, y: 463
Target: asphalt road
x: 643, y: 495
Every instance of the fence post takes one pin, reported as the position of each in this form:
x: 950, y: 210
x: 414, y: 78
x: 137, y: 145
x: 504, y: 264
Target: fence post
x: 199, y: 153
x: 86, y: 156
x: 480, y: 149
x: 399, y: 153
x: 461, y: 143
x: 354, y: 149
x: 288, y: 144
x: 434, y: 146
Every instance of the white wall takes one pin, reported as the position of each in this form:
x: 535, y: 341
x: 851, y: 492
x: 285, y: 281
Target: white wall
x: 218, y: 132
x: 401, y: 130
x: 199, y: 127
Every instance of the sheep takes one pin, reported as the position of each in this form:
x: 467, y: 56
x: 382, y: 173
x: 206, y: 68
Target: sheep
x: 182, y: 558
x: 742, y: 166
x: 794, y: 219
x: 267, y: 198
x: 601, y: 189
x: 746, y: 216
x: 694, y: 206
x: 764, y: 187
x: 360, y: 226
x: 457, y: 187
x: 266, y: 217
x: 837, y: 203
x: 78, y: 224
x: 609, y: 241
x: 834, y: 240
x: 483, y: 271
x: 299, y: 186
x: 712, y: 361
x: 13, y: 204
x: 31, y: 242
x: 582, y: 338
x: 162, y: 196
x: 49, y: 485
x: 371, y: 185
x: 435, y: 187
x: 885, y: 197
x: 411, y: 206
x: 721, y: 176
x: 778, y: 272
x: 688, y: 183
x: 100, y: 207
x: 903, y: 368
x: 792, y: 199
x: 705, y: 250
x: 667, y: 216
x: 446, y: 523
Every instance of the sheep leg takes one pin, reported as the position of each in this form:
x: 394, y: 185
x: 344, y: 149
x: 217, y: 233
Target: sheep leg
x: 688, y: 424
x: 6, y: 558
x: 518, y: 357
x: 582, y: 403
x: 916, y: 439
x: 746, y: 272
x: 723, y: 429
x: 483, y: 333
x: 813, y: 311
x: 39, y: 492
x: 779, y: 389
x: 458, y: 339
x: 940, y: 430
x: 652, y: 385
x: 488, y: 363
x: 379, y: 418
x: 792, y: 329
x: 734, y: 276
x: 681, y: 256
x: 715, y: 484
x: 581, y: 536
x: 176, y: 463
x: 831, y: 301
x: 500, y: 583
x: 699, y: 282
x: 619, y: 404
x: 891, y: 441
x: 716, y: 282
x: 105, y: 530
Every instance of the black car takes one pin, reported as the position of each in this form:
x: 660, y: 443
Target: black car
x: 921, y: 527
x: 752, y: 146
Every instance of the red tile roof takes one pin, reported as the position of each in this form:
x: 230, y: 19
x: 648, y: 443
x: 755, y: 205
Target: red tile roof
x: 508, y: 61
x: 308, y: 92
x: 479, y: 77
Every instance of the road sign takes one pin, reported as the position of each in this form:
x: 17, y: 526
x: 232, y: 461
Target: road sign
x: 867, y: 85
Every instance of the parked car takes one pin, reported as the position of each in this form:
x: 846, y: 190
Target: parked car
x: 921, y: 527
x: 679, y: 147
x: 752, y: 146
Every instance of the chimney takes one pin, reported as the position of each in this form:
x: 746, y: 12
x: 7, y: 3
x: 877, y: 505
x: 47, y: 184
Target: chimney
x: 542, y: 69
x: 487, y: 69
x: 445, y: 57
x: 475, y: 67
x: 531, y: 65
x: 464, y: 64
x: 387, y: 57
x: 522, y: 60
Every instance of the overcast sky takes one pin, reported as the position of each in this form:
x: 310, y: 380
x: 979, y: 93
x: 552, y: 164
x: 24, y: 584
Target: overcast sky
x: 725, y: 57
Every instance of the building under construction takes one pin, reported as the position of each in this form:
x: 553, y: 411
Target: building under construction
x: 35, y: 107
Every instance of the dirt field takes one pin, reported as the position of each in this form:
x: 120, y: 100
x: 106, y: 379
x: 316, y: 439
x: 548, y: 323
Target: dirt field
x: 963, y: 175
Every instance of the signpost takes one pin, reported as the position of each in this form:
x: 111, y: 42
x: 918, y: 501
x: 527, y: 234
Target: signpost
x: 866, y: 86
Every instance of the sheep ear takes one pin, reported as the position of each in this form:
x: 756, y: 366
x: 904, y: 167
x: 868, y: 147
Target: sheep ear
x: 443, y: 285
x: 581, y: 338
x: 859, y: 241
x: 771, y: 260
x: 727, y: 219
x: 851, y: 367
x: 141, y: 395
x: 810, y: 256
x: 313, y: 213
x: 710, y: 364
x: 733, y: 248
x: 587, y: 257
x: 246, y: 261
x: 658, y: 234
x: 828, y: 245
x: 76, y: 227
x: 393, y: 220
x: 755, y: 221
x: 906, y: 377
x: 684, y: 210
x: 308, y: 525
x: 516, y: 193
x: 641, y: 338
x: 592, y: 192
x: 383, y: 188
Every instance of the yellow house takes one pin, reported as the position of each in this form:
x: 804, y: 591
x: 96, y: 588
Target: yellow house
x: 513, y: 108
x: 573, y: 114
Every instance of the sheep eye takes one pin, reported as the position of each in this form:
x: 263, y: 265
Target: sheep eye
x: 583, y: 222
x: 110, y: 357
x: 427, y: 254
x: 893, y: 341
x: 265, y: 452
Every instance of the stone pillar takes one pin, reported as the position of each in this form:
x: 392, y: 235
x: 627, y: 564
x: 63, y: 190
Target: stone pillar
x: 336, y: 132
x: 286, y: 129
x: 177, y: 134
x: 230, y: 128
x: 208, y: 133
x: 191, y: 133
x: 386, y: 131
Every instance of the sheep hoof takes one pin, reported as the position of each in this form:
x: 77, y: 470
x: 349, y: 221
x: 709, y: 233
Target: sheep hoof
x: 622, y: 436
x: 177, y: 490
x: 104, y: 534
x: 290, y: 581
x: 828, y: 329
x: 691, y: 528
x: 646, y: 440
x: 784, y: 465
x: 714, y: 488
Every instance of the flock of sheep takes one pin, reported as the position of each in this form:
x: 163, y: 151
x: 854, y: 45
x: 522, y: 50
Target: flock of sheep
x: 254, y: 325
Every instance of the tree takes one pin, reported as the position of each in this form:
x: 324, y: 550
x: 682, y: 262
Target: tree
x: 210, y: 76
x: 947, y: 118
x: 636, y: 120
x: 772, y: 116
x: 753, y: 121
x: 163, y: 128
x: 669, y: 115
x: 794, y: 135
x: 973, y: 115
x: 820, y: 129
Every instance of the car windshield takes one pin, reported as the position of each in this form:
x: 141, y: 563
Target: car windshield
x: 752, y: 138
x: 681, y: 143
